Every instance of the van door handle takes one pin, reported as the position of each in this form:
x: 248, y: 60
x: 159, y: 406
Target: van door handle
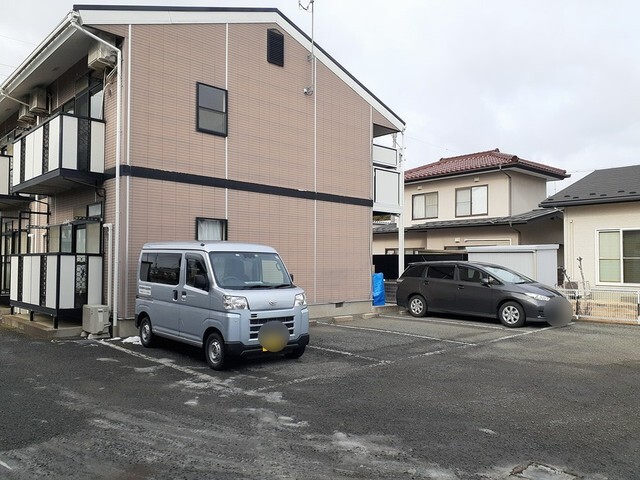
x: 460, y: 287
x: 175, y: 295
x: 184, y: 296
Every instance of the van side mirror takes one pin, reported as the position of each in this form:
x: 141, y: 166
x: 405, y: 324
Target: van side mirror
x: 486, y: 281
x: 201, y: 282
x: 291, y: 275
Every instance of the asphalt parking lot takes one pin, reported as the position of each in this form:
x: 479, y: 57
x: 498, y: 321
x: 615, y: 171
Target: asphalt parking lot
x: 389, y: 397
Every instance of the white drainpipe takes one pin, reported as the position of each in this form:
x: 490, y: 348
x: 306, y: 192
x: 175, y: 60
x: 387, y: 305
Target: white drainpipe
x: 116, y: 256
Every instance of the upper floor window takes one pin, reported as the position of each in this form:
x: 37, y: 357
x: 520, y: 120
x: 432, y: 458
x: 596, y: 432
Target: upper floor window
x: 619, y: 256
x: 212, y: 110
x: 275, y: 47
x: 425, y: 205
x: 211, y: 229
x: 471, y: 201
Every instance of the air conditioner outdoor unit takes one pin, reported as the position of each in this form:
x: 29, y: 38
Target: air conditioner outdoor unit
x: 95, y: 319
x: 38, y: 101
x: 100, y: 56
x: 24, y: 115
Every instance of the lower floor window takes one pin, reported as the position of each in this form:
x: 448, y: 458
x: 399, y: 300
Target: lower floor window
x: 211, y: 229
x: 619, y: 256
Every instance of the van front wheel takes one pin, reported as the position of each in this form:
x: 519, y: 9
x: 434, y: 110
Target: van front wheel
x: 214, y: 351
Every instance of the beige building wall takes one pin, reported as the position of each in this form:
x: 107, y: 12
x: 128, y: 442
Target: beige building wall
x: 581, y: 224
x: 527, y: 191
x: 326, y: 245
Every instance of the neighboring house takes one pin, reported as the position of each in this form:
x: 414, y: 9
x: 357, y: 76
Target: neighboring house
x: 132, y: 124
x: 602, y: 226
x: 479, y: 199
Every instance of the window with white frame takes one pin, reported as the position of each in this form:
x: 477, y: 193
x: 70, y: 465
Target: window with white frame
x: 619, y: 256
x: 471, y: 201
x: 425, y: 205
x: 211, y: 229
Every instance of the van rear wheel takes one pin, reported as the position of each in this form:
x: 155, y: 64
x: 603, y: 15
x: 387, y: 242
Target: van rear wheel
x: 147, y: 338
x: 214, y: 351
x: 417, y: 306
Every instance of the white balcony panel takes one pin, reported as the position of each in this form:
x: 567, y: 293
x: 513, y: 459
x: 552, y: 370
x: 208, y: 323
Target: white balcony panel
x: 52, y: 281
x: 69, y: 142
x: 384, y: 156
x: 38, y: 142
x: 28, y: 156
x: 94, y: 281
x: 26, y: 279
x: 5, y: 164
x: 67, y: 283
x: 35, y: 280
x: 13, y: 291
x: 387, y: 187
x: 54, y: 143
x: 97, y: 147
x: 17, y: 148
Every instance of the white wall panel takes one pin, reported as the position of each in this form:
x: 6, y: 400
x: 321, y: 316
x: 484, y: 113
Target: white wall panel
x: 13, y: 289
x: 5, y: 163
x: 94, y: 285
x: 17, y: 148
x: 36, y: 159
x: 35, y: 280
x: 67, y: 281
x: 52, y: 281
x: 26, y: 279
x: 54, y: 143
x: 69, y: 143
x: 97, y: 147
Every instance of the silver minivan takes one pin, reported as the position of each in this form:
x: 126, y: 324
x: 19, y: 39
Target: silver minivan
x: 231, y: 298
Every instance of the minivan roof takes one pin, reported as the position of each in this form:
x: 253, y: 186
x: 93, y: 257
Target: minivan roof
x: 209, y: 246
x: 457, y: 262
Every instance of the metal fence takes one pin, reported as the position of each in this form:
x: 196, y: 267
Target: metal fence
x: 613, y: 305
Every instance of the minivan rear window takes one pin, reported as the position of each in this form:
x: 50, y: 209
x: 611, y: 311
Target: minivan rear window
x: 414, y: 271
x: 441, y: 271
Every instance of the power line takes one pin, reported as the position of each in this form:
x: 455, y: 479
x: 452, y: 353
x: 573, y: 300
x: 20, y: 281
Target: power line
x: 18, y: 40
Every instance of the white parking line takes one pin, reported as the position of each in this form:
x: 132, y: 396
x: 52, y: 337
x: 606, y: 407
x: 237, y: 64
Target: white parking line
x: 349, y: 354
x: 394, y: 332
x: 448, y: 322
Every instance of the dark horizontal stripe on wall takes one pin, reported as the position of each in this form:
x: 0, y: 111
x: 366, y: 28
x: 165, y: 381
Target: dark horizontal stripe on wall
x: 154, y: 174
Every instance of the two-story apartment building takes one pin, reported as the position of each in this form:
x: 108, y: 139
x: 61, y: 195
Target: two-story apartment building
x: 134, y: 124
x: 479, y: 199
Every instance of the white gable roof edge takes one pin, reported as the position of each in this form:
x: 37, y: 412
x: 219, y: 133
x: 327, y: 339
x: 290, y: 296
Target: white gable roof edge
x: 156, y: 16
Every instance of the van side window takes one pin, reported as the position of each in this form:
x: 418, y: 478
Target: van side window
x: 195, y: 266
x: 160, y: 268
x: 444, y: 272
x: 414, y: 271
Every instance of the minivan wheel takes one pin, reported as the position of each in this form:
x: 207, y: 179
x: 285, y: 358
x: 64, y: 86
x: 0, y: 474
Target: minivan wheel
x: 147, y: 338
x: 417, y: 306
x: 511, y: 315
x: 214, y: 351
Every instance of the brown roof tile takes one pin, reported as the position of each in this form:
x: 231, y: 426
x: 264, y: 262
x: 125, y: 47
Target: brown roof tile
x: 472, y: 162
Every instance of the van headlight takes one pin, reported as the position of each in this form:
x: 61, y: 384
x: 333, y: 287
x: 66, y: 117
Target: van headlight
x: 235, y: 303
x: 300, y: 300
x: 537, y: 296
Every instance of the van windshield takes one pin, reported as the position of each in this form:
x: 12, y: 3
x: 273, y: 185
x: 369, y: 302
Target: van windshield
x: 507, y: 276
x: 245, y: 270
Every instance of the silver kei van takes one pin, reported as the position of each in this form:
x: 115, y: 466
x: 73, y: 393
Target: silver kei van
x: 231, y: 298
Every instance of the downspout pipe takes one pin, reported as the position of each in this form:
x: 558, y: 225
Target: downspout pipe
x: 75, y: 23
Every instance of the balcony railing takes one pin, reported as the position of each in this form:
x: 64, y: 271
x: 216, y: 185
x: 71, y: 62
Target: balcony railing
x: 57, y: 154
x: 387, y: 184
x: 57, y: 284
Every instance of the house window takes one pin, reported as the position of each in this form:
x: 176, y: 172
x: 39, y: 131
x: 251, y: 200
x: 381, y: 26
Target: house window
x: 619, y: 256
x: 212, y: 109
x: 211, y: 229
x: 425, y: 205
x: 275, y: 47
x: 471, y: 201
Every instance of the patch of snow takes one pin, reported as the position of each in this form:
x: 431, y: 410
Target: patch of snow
x: 135, y: 340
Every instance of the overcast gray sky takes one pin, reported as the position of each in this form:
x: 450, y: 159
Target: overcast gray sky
x: 553, y: 81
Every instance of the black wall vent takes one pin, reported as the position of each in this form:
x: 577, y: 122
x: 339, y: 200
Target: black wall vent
x: 275, y: 47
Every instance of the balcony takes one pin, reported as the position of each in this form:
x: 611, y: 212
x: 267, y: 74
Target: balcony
x: 58, y: 154
x: 56, y: 284
x: 9, y: 201
x: 387, y: 181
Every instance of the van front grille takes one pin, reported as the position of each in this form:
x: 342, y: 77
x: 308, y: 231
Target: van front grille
x: 256, y: 323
